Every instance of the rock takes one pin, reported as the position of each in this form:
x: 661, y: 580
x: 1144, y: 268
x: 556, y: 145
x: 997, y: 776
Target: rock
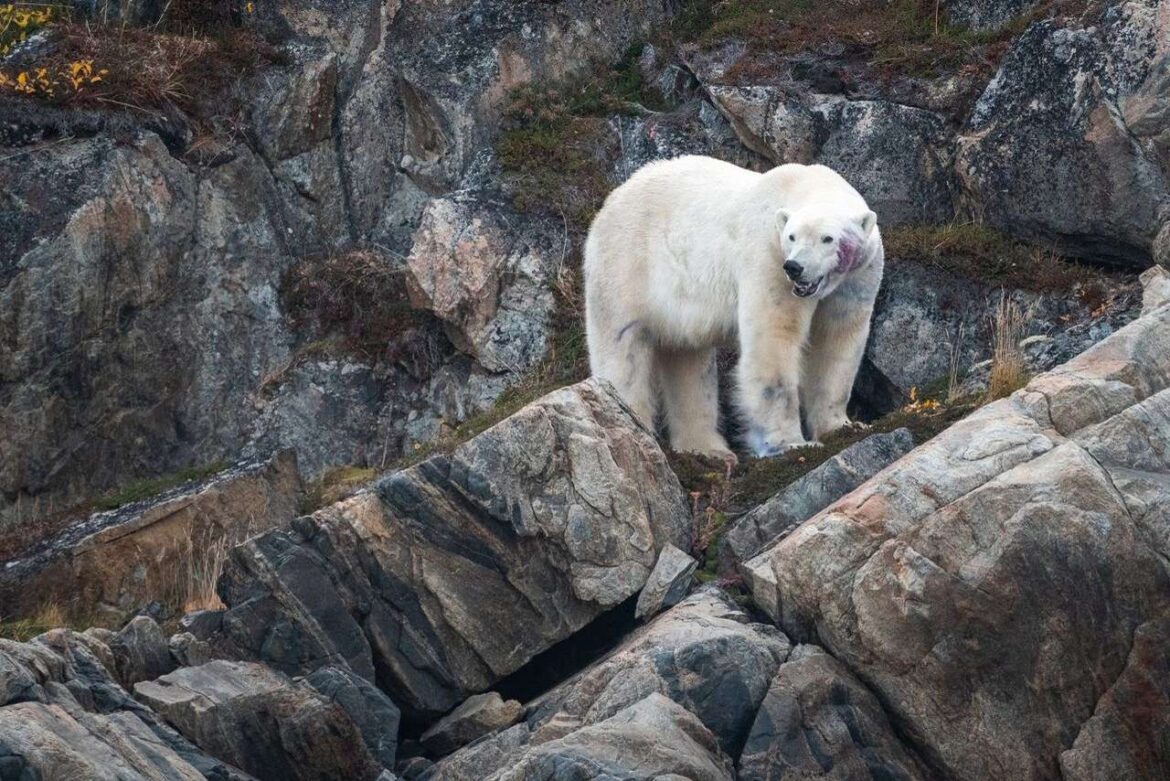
x: 453, y: 84
x: 120, y: 559
x: 260, y: 721
x: 773, y: 122
x: 1047, y: 153
x: 62, y: 715
x: 1155, y: 288
x: 1146, y: 112
x: 704, y: 654
x: 668, y: 582
x: 1127, y: 737
x: 447, y: 576
x: 202, y: 623
x: 654, y: 738
x: 189, y: 651
x: 39, y: 740
x: 985, y: 546
x: 375, y: 714
x: 898, y: 157
x: 984, y: 15
x: 414, y: 767
x: 818, y: 721
x: 475, y: 717
x: 1160, y: 250
x: 926, y: 319
x: 811, y: 493
x: 140, y: 652
x: 486, y: 280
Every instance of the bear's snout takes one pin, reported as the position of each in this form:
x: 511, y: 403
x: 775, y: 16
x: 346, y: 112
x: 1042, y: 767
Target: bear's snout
x: 794, y: 270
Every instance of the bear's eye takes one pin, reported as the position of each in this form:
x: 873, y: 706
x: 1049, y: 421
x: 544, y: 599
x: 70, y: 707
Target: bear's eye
x: 792, y: 237
x: 826, y: 239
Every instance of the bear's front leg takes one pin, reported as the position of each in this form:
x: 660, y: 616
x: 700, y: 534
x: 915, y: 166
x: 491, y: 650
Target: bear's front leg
x: 839, y: 331
x: 772, y: 332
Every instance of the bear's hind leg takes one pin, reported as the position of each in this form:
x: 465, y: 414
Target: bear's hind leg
x: 690, y: 391
x: 625, y: 355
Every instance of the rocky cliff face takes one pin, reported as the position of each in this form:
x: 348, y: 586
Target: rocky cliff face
x: 372, y: 238
x: 145, y: 261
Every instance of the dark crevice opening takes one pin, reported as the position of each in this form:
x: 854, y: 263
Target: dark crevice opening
x: 570, y: 656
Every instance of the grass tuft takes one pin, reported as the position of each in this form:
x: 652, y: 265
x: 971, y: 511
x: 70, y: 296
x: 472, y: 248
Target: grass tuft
x: 1008, y: 369
x: 50, y: 616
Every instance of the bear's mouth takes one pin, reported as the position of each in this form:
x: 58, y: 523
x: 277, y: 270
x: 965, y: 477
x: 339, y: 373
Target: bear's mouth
x: 806, y: 289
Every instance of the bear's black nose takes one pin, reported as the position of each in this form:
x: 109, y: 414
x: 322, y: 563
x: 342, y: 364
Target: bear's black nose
x: 793, y: 269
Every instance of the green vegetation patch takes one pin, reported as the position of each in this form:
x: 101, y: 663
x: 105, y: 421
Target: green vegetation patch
x: 980, y: 252
x: 900, y: 37
x: 151, y: 487
x: 556, y: 147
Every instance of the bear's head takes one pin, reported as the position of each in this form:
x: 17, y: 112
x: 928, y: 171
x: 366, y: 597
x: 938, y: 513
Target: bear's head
x: 820, y: 247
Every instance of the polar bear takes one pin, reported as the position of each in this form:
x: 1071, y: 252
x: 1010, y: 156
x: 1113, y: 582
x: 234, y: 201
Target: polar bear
x: 694, y: 251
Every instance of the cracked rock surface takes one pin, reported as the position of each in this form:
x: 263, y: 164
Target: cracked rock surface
x: 443, y: 578
x: 989, y: 586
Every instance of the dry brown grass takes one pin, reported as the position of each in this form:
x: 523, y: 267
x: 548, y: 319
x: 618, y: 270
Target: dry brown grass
x: 202, y: 567
x: 359, y: 295
x: 1008, y: 369
x: 898, y: 37
x: 183, y: 66
x: 51, y: 615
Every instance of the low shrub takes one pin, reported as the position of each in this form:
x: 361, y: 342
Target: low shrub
x: 359, y: 295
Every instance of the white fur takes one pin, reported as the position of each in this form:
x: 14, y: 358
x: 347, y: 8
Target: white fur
x: 689, y: 253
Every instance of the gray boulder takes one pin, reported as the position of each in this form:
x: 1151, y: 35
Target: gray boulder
x: 375, y: 714
x: 965, y: 584
x: 445, y: 577
x: 475, y: 717
x: 668, y: 583
x: 486, y: 279
x: 164, y: 546
x: 261, y: 721
x: 1048, y: 154
x: 140, y: 652
x: 818, y: 721
x: 811, y: 493
x: 926, y: 318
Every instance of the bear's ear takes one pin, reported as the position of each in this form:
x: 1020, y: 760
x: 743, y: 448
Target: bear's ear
x: 782, y: 216
x: 868, y: 220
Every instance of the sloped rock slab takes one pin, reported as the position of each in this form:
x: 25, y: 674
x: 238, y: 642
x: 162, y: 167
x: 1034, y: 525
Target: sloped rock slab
x: 474, y: 718
x: 261, y: 721
x: 668, y: 583
x: 62, y: 715
x: 988, y: 586
x: 123, y: 558
x: 447, y: 576
x: 705, y: 656
x: 812, y: 493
